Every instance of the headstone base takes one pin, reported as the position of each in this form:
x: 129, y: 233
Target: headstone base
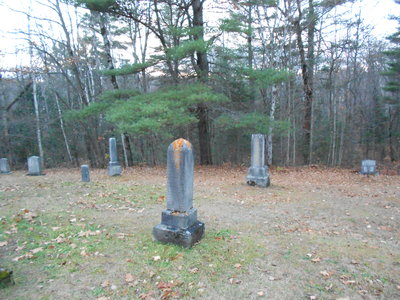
x: 35, y: 174
x: 258, y: 176
x: 178, y: 219
x: 114, y: 169
x: 185, y: 237
x: 5, y: 172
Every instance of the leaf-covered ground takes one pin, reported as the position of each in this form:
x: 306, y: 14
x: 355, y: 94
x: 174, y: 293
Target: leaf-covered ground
x: 314, y: 234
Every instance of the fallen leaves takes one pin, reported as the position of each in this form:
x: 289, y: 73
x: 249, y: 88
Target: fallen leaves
x: 129, y: 278
x: 88, y: 233
x: 167, y: 289
x: 2, y: 244
x: 156, y: 258
x: 105, y: 283
x: 37, y: 250
x: 234, y: 281
x: 28, y: 255
x: 345, y: 279
x: 326, y: 274
x: 315, y: 260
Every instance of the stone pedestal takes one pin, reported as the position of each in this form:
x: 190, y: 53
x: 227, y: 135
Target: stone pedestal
x: 114, y: 168
x: 368, y: 167
x: 34, y: 166
x: 258, y: 172
x: 179, y: 224
x: 85, y: 173
x: 4, y: 166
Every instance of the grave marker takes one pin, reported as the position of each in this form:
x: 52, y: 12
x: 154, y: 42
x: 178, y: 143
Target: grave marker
x: 85, y: 173
x: 34, y: 166
x: 179, y: 224
x: 368, y: 167
x: 258, y: 172
x: 4, y: 166
x: 114, y: 168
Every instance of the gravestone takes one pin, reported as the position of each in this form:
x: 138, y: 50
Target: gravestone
x: 258, y: 172
x: 4, y: 166
x: 179, y: 224
x: 114, y: 168
x: 34, y: 166
x: 368, y: 167
x: 85, y: 173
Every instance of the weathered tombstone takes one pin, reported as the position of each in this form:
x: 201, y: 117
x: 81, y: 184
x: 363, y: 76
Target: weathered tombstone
x: 4, y: 166
x: 85, y: 173
x: 258, y: 172
x: 179, y: 224
x: 114, y: 168
x: 368, y: 167
x: 34, y: 166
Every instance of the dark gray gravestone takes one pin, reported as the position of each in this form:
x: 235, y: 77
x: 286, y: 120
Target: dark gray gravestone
x: 85, y: 173
x: 4, y: 166
x: 368, y: 167
x: 258, y: 172
x: 34, y: 166
x: 114, y: 168
x: 179, y: 224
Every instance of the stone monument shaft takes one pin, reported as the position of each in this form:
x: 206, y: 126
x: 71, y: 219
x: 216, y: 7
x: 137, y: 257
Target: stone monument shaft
x: 179, y: 224
x: 114, y: 168
x: 180, y: 166
x: 113, y: 150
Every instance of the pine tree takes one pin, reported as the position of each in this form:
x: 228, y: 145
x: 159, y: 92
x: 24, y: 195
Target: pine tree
x: 392, y: 87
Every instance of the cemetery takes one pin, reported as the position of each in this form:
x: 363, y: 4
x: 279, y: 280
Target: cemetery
x: 307, y: 233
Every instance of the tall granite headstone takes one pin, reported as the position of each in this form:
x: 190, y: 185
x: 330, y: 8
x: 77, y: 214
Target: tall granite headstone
x: 85, y: 173
x: 34, y: 166
x: 258, y: 172
x: 179, y: 224
x: 368, y: 167
x: 4, y: 166
x: 114, y: 168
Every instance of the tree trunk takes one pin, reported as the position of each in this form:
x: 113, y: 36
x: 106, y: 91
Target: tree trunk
x: 63, y: 130
x: 204, y: 135
x: 307, y: 72
x: 271, y: 119
x: 203, y: 70
x: 37, y: 120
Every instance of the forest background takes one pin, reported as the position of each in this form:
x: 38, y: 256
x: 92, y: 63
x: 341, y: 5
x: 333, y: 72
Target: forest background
x: 308, y: 74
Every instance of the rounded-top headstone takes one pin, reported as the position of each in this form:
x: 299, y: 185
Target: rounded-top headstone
x: 34, y: 166
x: 4, y: 166
x: 180, y: 166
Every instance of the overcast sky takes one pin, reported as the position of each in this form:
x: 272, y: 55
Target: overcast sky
x: 374, y: 12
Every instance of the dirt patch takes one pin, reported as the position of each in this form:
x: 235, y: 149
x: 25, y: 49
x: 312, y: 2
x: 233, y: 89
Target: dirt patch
x: 324, y: 233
